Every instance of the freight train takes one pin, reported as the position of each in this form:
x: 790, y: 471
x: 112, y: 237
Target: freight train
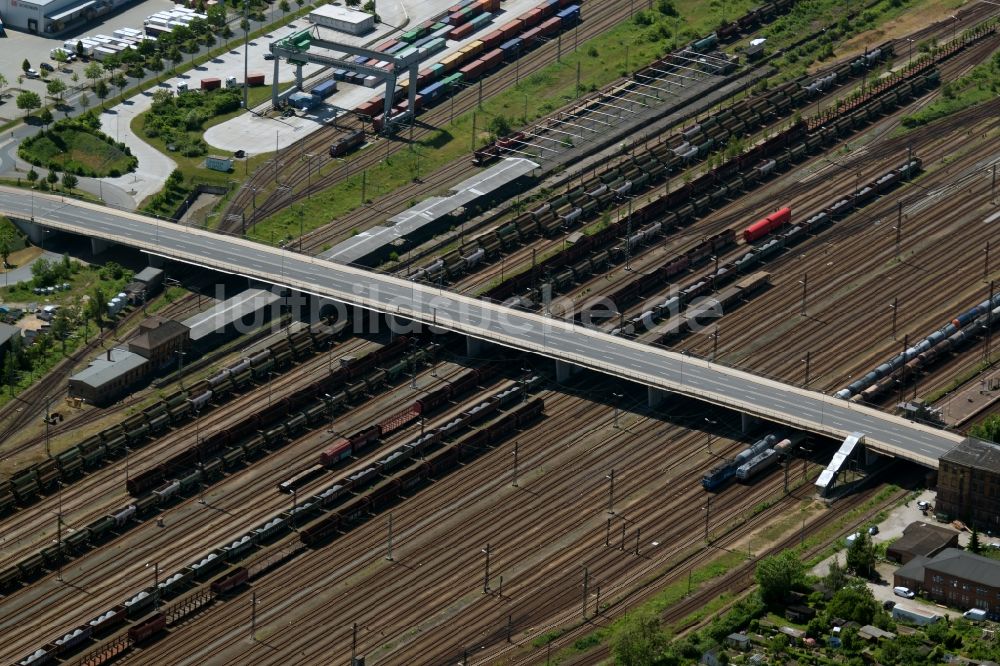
x: 907, y: 363
x: 358, y: 496
x: 94, y: 452
x: 642, y: 171
x: 751, y: 461
x: 358, y: 509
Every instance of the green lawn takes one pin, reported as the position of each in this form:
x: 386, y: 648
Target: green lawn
x: 78, y: 151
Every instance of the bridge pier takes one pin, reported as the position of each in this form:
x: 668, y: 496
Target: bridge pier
x: 871, y: 457
x: 298, y: 75
x: 748, y: 423
x: 98, y: 246
x: 34, y: 232
x: 475, y: 346
x: 156, y: 260
x: 655, y: 396
x: 565, y: 370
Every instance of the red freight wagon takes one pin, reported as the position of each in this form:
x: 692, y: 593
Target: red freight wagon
x: 550, y: 26
x: 512, y: 30
x: 211, y: 83
x: 424, y: 78
x: 763, y: 227
x: 462, y: 31
x: 458, y: 18
x: 473, y: 70
x: 493, y: 40
x: 546, y: 9
x: 385, y: 46
x: 255, y: 79
x: 532, y: 18
x: 492, y: 59
x: 340, y: 450
x: 491, y: 6
x: 370, y: 108
x: 530, y: 36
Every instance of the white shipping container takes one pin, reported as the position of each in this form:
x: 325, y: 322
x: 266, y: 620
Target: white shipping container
x: 102, y: 52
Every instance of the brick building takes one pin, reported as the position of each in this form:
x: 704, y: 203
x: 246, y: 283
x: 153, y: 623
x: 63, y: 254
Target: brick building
x: 158, y: 339
x: 921, y: 538
x: 969, y: 485
x: 956, y: 578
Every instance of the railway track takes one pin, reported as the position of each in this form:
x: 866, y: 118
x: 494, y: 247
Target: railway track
x: 599, y: 18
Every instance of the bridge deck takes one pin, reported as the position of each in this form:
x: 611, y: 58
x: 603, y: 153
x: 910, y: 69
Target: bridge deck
x: 552, y: 338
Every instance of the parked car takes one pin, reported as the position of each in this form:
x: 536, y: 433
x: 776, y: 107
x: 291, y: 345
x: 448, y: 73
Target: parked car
x: 923, y: 506
x: 888, y: 604
x: 47, y: 67
x: 268, y: 55
x: 31, y: 73
x: 873, y: 530
x: 904, y: 592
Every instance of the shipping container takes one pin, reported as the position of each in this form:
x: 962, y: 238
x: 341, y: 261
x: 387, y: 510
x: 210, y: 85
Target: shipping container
x: 255, y: 79
x: 211, y: 83
x: 325, y: 89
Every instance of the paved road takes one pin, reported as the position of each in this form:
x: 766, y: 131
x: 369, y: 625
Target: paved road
x: 550, y: 337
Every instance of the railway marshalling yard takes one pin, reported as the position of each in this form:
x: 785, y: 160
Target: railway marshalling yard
x: 473, y: 507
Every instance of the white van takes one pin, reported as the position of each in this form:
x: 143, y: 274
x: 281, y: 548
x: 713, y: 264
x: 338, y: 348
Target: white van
x: 904, y: 592
x: 975, y: 614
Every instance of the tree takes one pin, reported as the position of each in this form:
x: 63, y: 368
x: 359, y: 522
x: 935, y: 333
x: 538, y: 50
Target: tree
x: 84, y: 101
x: 6, y: 243
x: 974, y: 545
x: 300, y: 3
x: 60, y: 327
x: 45, y: 117
x: 95, y: 306
x: 861, y: 555
x: 778, y: 574
x: 79, y: 49
x: 93, y: 71
x: 854, y: 602
x: 69, y: 181
x: 639, y: 641
x: 56, y: 88
x: 284, y: 6
x: 101, y: 90
x: 499, y: 126
x: 32, y: 175
x: 25, y: 66
x: 988, y: 429
x: 52, y: 178
x: 836, y: 578
x: 120, y: 81
x: 3, y: 84
x: 60, y: 57
x: 28, y: 101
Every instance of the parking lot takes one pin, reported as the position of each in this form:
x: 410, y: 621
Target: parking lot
x: 17, y: 46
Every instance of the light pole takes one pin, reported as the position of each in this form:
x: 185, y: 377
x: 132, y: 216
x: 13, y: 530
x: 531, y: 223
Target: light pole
x: 486, y: 577
x: 617, y: 397
x: 611, y: 492
x: 894, y: 306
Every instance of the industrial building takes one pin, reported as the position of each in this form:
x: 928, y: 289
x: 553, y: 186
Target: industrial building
x: 342, y: 19
x: 159, y: 340
x: 956, y: 578
x: 53, y: 17
x: 969, y: 484
x: 108, y: 377
x: 144, y: 285
x: 417, y: 224
x: 921, y: 539
x: 242, y: 313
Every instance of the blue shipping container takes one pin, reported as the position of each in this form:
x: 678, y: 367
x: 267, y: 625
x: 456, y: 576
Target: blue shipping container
x: 509, y: 48
x: 325, y: 89
x: 338, y: 74
x: 572, y: 10
x: 360, y: 60
x: 432, y: 91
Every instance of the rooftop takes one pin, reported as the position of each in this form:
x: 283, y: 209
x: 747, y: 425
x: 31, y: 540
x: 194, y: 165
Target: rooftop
x: 229, y: 312
x: 155, y: 331
x: 342, y: 14
x: 7, y: 332
x: 101, y: 370
x: 148, y: 274
x: 920, y: 538
x: 975, y: 453
x: 968, y: 566
x: 412, y: 221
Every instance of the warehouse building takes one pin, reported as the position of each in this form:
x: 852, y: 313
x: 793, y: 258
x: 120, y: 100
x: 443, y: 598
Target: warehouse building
x: 342, y: 19
x: 144, y: 285
x: 969, y: 484
x: 53, y: 17
x: 956, y: 578
x: 108, y: 377
x: 7, y: 333
x: 420, y: 222
x: 243, y: 313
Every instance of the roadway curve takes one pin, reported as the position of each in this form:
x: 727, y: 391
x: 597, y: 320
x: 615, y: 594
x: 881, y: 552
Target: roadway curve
x: 547, y: 336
